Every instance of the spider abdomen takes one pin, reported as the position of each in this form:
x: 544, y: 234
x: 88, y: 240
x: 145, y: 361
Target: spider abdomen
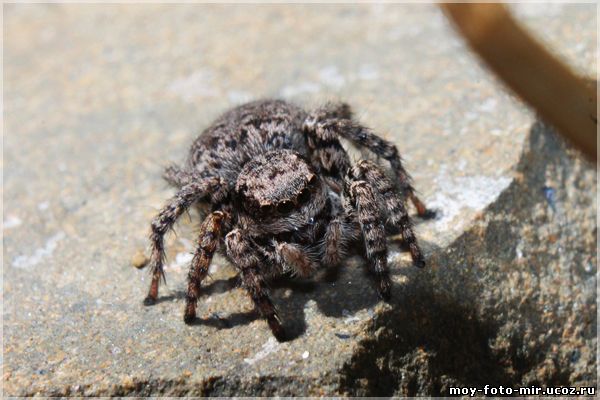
x: 244, y: 133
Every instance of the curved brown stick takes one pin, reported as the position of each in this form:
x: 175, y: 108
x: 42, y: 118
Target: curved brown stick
x: 540, y: 79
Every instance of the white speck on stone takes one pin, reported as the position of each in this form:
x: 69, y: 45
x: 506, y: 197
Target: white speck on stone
x: 331, y: 76
x: 43, y: 206
x: 214, y: 268
x: 62, y: 167
x: 239, y: 96
x: 310, y: 307
x: 470, y: 116
x: 300, y: 88
x: 39, y: 254
x: 12, y: 221
x: 579, y: 48
x: 489, y: 105
x: 305, y: 355
x: 181, y: 260
x: 368, y: 72
x: 519, y: 249
x: 455, y: 193
x: 198, y: 84
x: 349, y: 317
x: 271, y: 346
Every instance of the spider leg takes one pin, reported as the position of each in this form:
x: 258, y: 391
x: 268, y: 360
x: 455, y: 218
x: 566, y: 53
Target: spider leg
x: 245, y: 257
x: 327, y: 127
x: 397, y: 216
x: 176, y: 176
x: 208, y: 241
x: 292, y: 256
x: 165, y: 220
x: 338, y: 233
x: 334, y: 110
x: 371, y: 220
x: 327, y: 155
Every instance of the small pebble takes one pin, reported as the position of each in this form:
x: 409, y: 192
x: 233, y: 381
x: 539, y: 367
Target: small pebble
x: 139, y: 259
x: 342, y: 335
x: 305, y: 355
x: 550, y: 195
x: 575, y: 355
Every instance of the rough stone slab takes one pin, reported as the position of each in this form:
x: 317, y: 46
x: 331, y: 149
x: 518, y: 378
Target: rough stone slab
x: 97, y: 99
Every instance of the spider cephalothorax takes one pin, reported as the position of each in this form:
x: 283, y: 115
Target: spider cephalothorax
x: 281, y: 195
x: 278, y: 189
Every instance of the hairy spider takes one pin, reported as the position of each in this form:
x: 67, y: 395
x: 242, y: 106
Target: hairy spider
x: 279, y: 194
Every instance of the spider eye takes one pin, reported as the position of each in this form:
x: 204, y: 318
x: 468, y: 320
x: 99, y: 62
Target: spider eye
x: 304, y: 196
x: 285, y: 207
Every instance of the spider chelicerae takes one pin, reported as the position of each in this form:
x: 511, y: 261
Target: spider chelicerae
x: 279, y: 194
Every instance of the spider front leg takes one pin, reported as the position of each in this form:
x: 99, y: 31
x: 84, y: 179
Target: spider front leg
x: 327, y: 123
x: 208, y: 241
x: 371, y: 220
x: 334, y: 244
x: 245, y: 257
x: 293, y: 257
x: 339, y: 232
x: 165, y: 220
x: 397, y: 216
x: 176, y: 176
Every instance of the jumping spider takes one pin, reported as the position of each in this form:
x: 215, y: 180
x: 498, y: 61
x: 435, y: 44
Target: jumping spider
x: 280, y: 194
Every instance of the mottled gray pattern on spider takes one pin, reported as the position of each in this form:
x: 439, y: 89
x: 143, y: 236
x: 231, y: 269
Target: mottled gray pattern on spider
x: 280, y: 194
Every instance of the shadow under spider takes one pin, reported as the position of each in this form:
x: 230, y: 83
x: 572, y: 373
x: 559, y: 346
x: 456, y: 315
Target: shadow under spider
x: 214, y: 287
x: 336, y: 292
x: 216, y: 320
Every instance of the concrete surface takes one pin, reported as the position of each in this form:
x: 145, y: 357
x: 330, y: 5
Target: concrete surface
x: 97, y: 99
